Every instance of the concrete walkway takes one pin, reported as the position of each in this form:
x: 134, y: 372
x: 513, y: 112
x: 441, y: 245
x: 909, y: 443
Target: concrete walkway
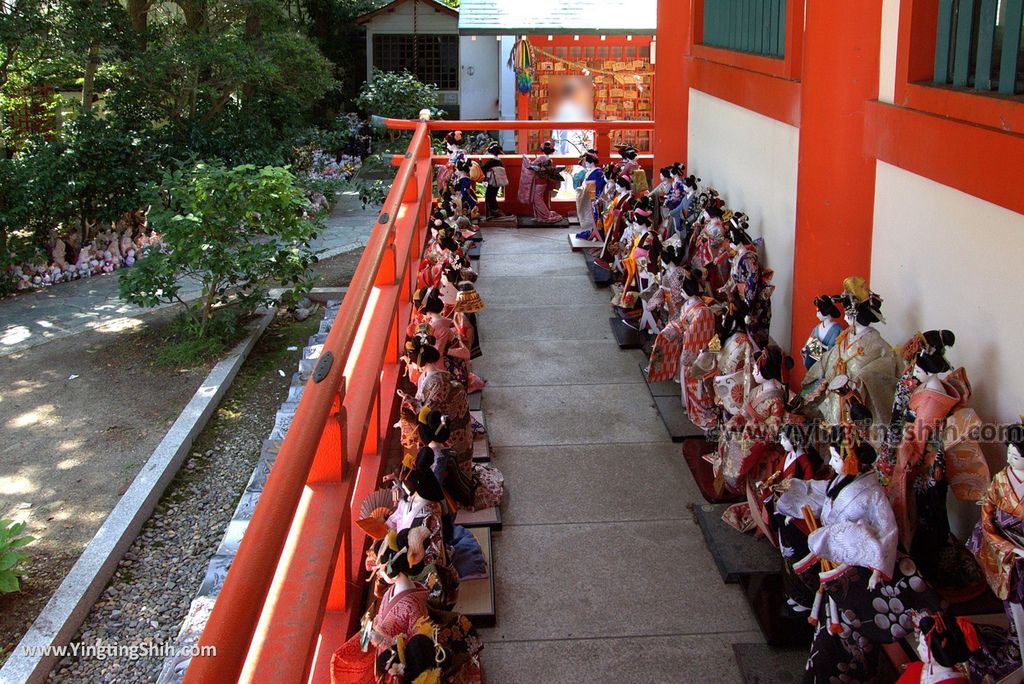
x: 601, y: 573
x: 38, y: 317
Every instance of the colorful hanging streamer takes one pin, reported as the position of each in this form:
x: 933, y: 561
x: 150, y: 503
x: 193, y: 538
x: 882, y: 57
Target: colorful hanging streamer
x: 521, y: 61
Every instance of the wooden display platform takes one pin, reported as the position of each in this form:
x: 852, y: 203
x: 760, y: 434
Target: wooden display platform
x: 736, y: 554
x: 476, y: 597
x: 703, y: 474
x: 762, y: 664
x: 665, y: 388
x: 508, y: 221
x: 578, y: 245
x: 626, y: 336
x: 600, y: 275
x: 474, y: 250
x: 527, y: 222
x: 673, y: 415
x: 488, y: 517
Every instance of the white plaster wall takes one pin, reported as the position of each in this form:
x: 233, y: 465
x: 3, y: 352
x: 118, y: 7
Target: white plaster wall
x: 752, y: 160
x: 945, y: 259
x: 478, y: 80
x: 507, y: 91
x: 887, y: 52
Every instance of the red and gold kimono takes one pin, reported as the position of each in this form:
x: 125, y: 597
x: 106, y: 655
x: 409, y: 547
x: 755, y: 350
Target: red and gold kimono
x: 396, y: 616
x: 999, y: 535
x: 615, y: 223
x: 441, y: 392
x: 745, y: 444
x: 676, y: 349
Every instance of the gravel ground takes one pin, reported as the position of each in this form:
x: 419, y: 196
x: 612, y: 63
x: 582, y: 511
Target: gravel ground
x: 149, y: 595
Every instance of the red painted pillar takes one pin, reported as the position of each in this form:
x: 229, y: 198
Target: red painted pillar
x: 671, y: 87
x: 836, y: 180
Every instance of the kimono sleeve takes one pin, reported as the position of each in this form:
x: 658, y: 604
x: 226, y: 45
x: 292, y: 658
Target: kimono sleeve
x: 802, y: 493
x: 868, y: 540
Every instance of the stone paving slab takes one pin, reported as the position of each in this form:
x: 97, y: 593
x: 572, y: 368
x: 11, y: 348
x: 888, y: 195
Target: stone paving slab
x: 556, y: 362
x: 595, y: 483
x: 584, y: 580
x: 549, y: 322
x: 634, y: 660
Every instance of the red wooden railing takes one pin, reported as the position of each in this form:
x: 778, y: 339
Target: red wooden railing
x: 294, y: 592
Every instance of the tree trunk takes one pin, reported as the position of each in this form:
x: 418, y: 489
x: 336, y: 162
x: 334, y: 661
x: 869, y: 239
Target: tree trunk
x: 92, y: 65
x: 138, y: 12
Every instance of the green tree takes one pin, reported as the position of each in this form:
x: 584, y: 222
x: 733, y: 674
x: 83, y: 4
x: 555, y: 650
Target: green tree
x: 236, y: 231
x: 397, y: 95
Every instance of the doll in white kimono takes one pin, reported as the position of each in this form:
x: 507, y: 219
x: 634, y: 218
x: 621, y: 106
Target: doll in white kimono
x: 868, y: 590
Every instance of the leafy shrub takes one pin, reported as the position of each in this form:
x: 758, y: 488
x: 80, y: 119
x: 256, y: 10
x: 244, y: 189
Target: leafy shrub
x: 235, y: 230
x: 397, y: 94
x: 12, y: 560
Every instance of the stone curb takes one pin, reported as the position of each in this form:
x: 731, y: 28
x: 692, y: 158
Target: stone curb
x: 68, y: 607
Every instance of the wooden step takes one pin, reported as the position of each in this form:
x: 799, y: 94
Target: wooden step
x: 578, y: 245
x: 476, y: 597
x: 736, y: 554
x: 676, y: 421
x: 665, y: 388
x: 487, y: 517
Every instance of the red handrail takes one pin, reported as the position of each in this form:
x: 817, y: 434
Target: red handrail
x: 318, y: 465
x: 292, y: 594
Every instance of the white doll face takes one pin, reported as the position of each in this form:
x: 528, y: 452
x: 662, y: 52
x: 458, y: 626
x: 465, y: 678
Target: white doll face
x: 822, y: 317
x: 448, y: 292
x: 786, y: 444
x: 850, y: 316
x: 921, y: 375
x: 1014, y: 459
x: 835, y: 460
x: 758, y: 378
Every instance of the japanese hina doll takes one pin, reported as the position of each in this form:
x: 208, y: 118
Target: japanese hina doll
x: 860, y: 354
x: 677, y: 348
x: 536, y: 183
x: 453, y: 141
x: 749, y: 279
x: 735, y: 359
x: 746, y: 442
x: 447, y: 339
x: 998, y: 539
x: 615, y: 220
x: 464, y: 189
x: 823, y: 336
x: 868, y: 592
x: 640, y: 248
x: 799, y: 463
x: 711, y: 249
x: 402, y: 604
x: 920, y: 467
x: 667, y: 301
x: 421, y: 506
x: 439, y: 390
x: 587, y: 195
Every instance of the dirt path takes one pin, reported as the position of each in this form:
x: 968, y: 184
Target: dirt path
x: 70, y: 447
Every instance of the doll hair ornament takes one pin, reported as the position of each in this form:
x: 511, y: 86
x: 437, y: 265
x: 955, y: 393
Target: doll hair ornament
x: 421, y: 350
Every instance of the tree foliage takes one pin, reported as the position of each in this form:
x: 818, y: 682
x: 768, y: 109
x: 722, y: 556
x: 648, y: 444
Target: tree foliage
x: 397, y: 95
x: 234, y: 230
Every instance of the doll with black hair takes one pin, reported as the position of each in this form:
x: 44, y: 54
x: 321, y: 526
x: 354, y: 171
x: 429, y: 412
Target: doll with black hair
x: 464, y: 189
x: 430, y: 320
x: 800, y: 463
x: 399, y: 607
x: 497, y: 178
x: 823, y: 336
x: 587, y: 194
x: 745, y: 442
x: 711, y: 247
x: 453, y: 142
x: 469, y: 485
x: 735, y: 359
x: 437, y: 389
x: 640, y: 251
x: 537, y: 181
x: 862, y: 355
x: 929, y: 411
x: 944, y: 643
x: 998, y: 539
x: 616, y: 217
x: 679, y: 345
x: 667, y: 301
x: 749, y: 279
x: 869, y: 591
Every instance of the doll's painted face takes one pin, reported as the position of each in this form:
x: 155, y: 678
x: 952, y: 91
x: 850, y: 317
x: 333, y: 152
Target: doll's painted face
x: 822, y: 317
x: 448, y: 291
x: 758, y: 378
x: 786, y: 444
x: 850, y: 316
x: 835, y: 460
x: 1014, y: 459
x: 920, y: 374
